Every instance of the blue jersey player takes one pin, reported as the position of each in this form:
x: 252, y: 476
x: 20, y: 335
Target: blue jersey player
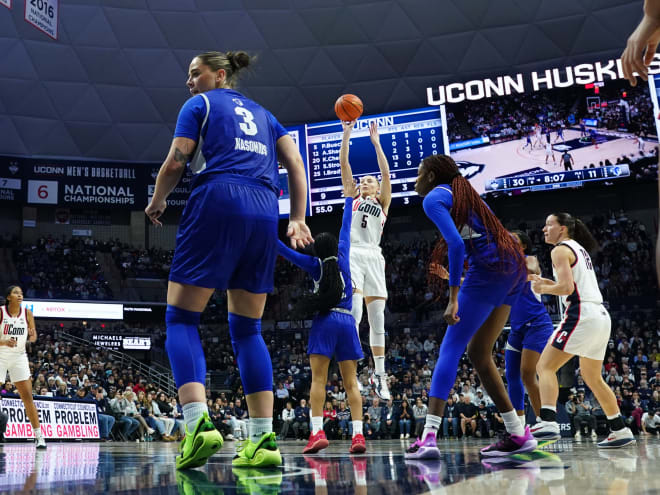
x: 531, y: 328
x: 479, y: 306
x: 227, y: 240
x: 333, y: 331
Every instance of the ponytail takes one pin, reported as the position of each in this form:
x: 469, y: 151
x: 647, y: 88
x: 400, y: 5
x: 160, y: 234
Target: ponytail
x: 577, y: 230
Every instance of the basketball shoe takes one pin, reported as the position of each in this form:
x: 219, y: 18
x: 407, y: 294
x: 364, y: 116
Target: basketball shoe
x: 379, y: 383
x: 316, y: 442
x: 424, y: 449
x: 616, y: 439
x: 261, y: 454
x: 200, y: 444
x: 511, y: 444
x: 546, y: 430
x: 358, y: 445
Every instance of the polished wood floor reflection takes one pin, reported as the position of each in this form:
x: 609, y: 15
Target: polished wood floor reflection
x: 566, y: 467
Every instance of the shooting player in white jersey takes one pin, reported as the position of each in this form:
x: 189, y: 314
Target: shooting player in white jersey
x: 367, y: 262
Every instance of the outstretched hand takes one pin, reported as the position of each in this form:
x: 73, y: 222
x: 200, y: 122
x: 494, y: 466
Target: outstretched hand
x: 299, y: 234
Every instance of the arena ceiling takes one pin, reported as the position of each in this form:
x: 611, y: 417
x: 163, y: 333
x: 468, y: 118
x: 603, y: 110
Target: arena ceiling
x: 113, y: 83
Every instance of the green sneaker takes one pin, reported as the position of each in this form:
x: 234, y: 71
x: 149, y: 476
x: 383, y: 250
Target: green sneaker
x: 196, y: 483
x: 264, y: 453
x: 199, y: 445
x: 254, y: 480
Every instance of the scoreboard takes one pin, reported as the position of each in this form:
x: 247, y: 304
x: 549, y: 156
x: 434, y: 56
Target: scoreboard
x: 557, y: 180
x: 406, y: 137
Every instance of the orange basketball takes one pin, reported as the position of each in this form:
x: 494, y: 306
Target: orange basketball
x: 348, y: 108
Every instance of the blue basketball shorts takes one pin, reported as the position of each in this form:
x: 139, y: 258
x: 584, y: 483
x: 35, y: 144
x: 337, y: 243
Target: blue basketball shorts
x: 334, y: 334
x: 227, y: 238
x: 493, y: 287
x: 533, y: 335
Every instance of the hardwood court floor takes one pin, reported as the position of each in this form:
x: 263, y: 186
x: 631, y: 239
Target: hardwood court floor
x: 567, y: 467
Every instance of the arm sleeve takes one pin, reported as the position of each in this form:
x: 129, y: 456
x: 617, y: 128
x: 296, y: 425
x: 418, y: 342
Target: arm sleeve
x: 190, y: 119
x: 278, y: 129
x: 437, y: 205
x: 308, y: 263
x: 345, y: 232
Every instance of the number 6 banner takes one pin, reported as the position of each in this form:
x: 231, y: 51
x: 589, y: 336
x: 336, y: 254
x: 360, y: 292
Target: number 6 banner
x: 43, y: 14
x: 42, y: 191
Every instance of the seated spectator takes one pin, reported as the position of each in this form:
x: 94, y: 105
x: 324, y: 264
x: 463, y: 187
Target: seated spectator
x: 301, y: 423
x: 124, y: 408
x: 405, y: 419
x: 450, y: 417
x: 388, y: 422
x: 344, y: 421
x: 375, y: 412
x: 103, y: 410
x: 419, y: 412
x: 484, y: 429
x: 288, y: 416
x: 583, y: 416
x: 467, y: 412
x: 330, y: 425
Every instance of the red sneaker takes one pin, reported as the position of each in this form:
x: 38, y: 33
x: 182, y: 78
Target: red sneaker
x: 316, y: 442
x: 358, y: 445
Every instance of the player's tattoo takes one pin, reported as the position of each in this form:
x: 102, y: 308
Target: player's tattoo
x: 181, y: 157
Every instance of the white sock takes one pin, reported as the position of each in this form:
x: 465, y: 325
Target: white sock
x: 379, y: 362
x: 37, y: 433
x: 258, y: 426
x: 431, y: 425
x: 317, y: 424
x: 192, y: 412
x: 512, y: 423
x: 357, y: 428
x: 522, y: 420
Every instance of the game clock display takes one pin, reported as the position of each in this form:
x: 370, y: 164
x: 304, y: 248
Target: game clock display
x: 406, y: 138
x: 555, y: 180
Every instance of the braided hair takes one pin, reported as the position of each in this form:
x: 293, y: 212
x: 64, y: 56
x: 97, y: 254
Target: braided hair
x: 330, y: 289
x: 467, y: 202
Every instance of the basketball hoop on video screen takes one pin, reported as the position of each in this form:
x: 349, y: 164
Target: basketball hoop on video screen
x: 593, y: 102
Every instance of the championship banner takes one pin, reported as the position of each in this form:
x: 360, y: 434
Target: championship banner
x: 43, y: 14
x: 74, y: 183
x: 60, y: 462
x: 59, y: 419
x: 6, y: 3
x: 10, y: 180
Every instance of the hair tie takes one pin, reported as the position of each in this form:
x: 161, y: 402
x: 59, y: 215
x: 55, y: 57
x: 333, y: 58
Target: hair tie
x: 329, y: 258
x: 457, y: 174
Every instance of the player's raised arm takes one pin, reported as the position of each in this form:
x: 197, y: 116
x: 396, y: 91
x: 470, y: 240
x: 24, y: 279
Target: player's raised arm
x: 346, y: 172
x: 385, y: 196
x: 289, y: 156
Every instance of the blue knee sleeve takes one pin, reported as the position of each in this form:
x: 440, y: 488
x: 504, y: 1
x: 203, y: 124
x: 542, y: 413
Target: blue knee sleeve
x: 184, y: 347
x: 514, y: 379
x: 254, y: 363
x: 472, y: 315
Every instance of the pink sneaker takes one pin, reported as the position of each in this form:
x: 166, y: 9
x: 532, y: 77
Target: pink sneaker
x: 511, y: 444
x: 427, y: 449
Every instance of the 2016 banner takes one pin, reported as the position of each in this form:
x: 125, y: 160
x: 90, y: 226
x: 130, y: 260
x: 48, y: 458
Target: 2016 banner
x: 59, y: 419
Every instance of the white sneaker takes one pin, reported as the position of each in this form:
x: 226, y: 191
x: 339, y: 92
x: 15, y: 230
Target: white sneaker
x: 578, y: 437
x: 401, y: 436
x: 594, y: 435
x: 151, y: 431
x: 380, y: 386
x: 546, y: 430
x: 407, y: 435
x: 41, y: 443
x: 617, y: 439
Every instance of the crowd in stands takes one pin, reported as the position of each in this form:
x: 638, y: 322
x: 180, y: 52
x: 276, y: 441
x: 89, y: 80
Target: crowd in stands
x: 514, y: 116
x: 53, y: 268
x: 139, y: 263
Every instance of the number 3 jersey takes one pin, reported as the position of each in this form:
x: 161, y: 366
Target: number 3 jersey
x: 584, y: 277
x: 13, y: 327
x: 234, y: 135
x: 367, y: 223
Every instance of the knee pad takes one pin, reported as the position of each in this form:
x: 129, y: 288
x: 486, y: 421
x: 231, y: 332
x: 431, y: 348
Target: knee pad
x: 356, y: 309
x: 184, y: 347
x: 254, y: 364
x: 376, y: 315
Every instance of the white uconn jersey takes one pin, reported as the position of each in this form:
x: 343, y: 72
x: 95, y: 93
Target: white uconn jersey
x: 584, y: 277
x: 367, y: 223
x: 13, y: 328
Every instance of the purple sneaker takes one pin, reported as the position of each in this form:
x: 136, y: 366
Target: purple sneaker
x: 427, y: 449
x: 511, y: 444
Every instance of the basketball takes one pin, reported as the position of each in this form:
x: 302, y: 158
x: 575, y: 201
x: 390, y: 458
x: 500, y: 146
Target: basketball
x: 348, y: 108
